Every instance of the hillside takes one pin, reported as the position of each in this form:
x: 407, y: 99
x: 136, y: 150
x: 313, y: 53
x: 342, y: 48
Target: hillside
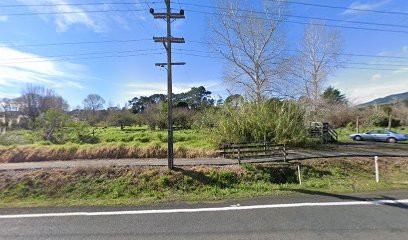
x: 388, y: 99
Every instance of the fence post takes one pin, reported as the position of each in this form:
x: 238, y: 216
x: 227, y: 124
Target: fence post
x: 239, y: 155
x: 377, y: 173
x: 265, y: 148
x: 284, y: 152
x: 299, y: 176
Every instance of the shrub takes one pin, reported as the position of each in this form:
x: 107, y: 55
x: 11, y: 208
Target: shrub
x: 16, y: 138
x: 58, y: 128
x: 275, y: 121
x: 351, y: 126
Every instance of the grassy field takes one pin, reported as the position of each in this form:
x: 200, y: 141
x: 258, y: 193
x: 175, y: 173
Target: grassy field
x: 145, y: 185
x: 136, y: 135
x: 131, y: 142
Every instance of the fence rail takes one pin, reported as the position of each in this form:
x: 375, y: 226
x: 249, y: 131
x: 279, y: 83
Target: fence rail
x: 243, y: 151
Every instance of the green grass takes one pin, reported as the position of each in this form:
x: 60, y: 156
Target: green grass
x: 144, y: 185
x: 143, y: 136
x: 138, y: 135
x: 131, y: 142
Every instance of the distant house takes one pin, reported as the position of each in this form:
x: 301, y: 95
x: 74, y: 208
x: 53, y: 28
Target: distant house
x: 14, y: 119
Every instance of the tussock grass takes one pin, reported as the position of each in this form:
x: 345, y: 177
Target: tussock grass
x: 141, y: 185
x: 131, y: 142
x: 35, y: 153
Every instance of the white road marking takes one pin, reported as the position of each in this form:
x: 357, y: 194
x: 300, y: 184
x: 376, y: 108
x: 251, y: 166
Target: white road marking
x: 195, y: 210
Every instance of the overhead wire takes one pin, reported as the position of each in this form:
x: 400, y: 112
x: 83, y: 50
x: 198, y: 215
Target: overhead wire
x: 71, y: 12
x: 191, y: 4
x: 303, y: 17
x: 342, y: 54
x: 74, y: 43
x: 70, y: 4
x: 316, y: 23
x: 87, y: 53
x: 342, y: 67
x: 81, y: 58
x: 343, y: 8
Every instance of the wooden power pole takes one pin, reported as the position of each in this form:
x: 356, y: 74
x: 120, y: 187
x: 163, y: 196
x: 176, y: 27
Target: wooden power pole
x: 167, y: 41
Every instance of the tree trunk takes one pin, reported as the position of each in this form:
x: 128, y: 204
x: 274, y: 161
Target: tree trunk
x: 389, y: 122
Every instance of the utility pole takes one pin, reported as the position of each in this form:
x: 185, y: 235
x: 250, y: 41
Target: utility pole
x: 167, y: 41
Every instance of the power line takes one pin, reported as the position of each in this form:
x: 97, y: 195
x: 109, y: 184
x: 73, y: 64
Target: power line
x: 57, y: 57
x: 82, y: 58
x: 154, y: 2
x: 342, y: 67
x: 304, y: 17
x: 73, y: 12
x: 88, y: 53
x: 70, y: 4
x: 142, y: 25
x: 75, y: 43
x: 318, y: 24
x: 342, y: 54
x: 338, y: 62
x: 200, y: 5
x: 344, y: 8
x: 154, y: 23
x: 190, y: 41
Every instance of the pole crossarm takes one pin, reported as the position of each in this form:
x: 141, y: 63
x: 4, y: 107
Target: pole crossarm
x: 165, y: 40
x: 165, y: 16
x: 173, y: 64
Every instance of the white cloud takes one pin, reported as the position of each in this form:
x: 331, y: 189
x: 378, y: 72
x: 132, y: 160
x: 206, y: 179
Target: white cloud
x: 3, y: 18
x: 65, y: 20
x: 365, y: 94
x: 364, y: 6
x: 401, y: 70
x: 9, y: 95
x: 88, y: 15
x: 18, y: 67
x: 376, y: 77
x: 147, y: 89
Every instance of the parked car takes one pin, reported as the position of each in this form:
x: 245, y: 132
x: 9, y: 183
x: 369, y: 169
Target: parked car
x: 380, y: 135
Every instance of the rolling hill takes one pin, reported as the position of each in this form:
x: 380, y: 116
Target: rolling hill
x: 386, y: 100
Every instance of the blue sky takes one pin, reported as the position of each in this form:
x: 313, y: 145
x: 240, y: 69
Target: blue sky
x: 87, y: 67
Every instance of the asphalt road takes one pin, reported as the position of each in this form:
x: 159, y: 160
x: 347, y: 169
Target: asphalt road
x: 354, y: 149
x: 326, y: 216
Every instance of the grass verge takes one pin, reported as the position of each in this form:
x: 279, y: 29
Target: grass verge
x: 143, y: 185
x: 134, y: 142
x: 35, y: 153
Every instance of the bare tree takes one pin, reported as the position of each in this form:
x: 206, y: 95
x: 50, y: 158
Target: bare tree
x: 36, y: 100
x: 93, y: 102
x: 319, y: 54
x: 252, y: 42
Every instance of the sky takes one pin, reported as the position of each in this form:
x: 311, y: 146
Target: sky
x: 107, y: 49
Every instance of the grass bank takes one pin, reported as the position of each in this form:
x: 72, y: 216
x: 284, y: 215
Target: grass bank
x: 131, y: 142
x: 143, y: 185
x: 36, y: 153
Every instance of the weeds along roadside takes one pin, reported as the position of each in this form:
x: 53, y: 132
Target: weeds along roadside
x: 33, y: 153
x: 140, y: 185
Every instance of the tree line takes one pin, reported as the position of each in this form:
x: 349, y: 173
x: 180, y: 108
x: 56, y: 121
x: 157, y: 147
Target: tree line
x: 277, y: 88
